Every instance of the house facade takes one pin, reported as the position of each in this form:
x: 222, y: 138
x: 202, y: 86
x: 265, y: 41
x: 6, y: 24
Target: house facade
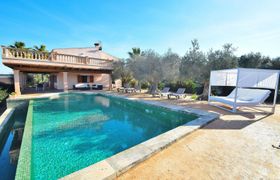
x: 65, y: 66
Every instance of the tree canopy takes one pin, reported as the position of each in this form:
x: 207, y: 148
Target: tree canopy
x: 18, y: 44
x: 195, y: 66
x: 135, y: 52
x: 21, y: 45
x: 41, y: 48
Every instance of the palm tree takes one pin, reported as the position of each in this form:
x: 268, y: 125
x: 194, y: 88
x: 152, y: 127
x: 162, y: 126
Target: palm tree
x: 18, y: 45
x: 42, y: 48
x: 135, y: 52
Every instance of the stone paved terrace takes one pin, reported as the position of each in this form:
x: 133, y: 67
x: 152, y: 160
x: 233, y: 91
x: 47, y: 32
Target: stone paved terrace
x: 232, y: 147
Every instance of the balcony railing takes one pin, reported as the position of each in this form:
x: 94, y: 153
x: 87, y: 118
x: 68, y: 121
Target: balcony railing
x: 24, y: 54
x: 21, y: 54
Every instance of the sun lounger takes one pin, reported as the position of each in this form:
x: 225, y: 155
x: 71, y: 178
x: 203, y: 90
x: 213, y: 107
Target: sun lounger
x: 179, y: 94
x: 156, y: 92
x: 129, y: 90
x: 137, y: 88
x: 245, y: 97
x: 164, y: 92
x: 121, y: 89
x: 153, y: 90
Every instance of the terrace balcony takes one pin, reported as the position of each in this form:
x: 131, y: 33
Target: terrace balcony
x: 65, y: 67
x: 52, y: 61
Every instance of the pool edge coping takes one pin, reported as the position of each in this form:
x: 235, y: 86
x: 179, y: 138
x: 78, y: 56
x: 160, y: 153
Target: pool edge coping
x: 4, y: 123
x: 23, y: 170
x: 4, y: 118
x: 119, y: 163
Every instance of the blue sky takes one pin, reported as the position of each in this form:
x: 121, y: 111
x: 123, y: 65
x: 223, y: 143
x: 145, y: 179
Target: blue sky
x: 251, y: 25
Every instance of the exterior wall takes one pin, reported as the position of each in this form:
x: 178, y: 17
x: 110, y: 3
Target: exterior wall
x: 104, y: 79
x: 65, y: 81
x: 73, y: 78
x: 22, y: 79
x: 118, y: 83
x: 60, y: 81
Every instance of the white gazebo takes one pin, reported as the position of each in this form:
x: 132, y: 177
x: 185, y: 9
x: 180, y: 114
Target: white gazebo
x: 252, y: 87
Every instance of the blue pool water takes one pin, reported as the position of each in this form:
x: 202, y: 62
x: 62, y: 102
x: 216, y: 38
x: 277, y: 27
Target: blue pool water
x: 76, y: 130
x: 10, y: 142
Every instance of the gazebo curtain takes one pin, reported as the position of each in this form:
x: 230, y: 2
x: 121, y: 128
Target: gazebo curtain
x: 241, y: 77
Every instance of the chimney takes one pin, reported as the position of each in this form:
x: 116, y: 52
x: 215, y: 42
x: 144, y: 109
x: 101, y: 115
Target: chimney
x: 98, y: 45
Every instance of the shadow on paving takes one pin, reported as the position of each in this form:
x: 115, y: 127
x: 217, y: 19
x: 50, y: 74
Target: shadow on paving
x: 231, y: 124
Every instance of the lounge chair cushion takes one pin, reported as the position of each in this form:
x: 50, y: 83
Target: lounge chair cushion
x: 81, y: 85
x: 245, y: 94
x: 244, y: 97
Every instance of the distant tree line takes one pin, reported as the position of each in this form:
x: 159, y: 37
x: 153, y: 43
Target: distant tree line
x: 191, y: 71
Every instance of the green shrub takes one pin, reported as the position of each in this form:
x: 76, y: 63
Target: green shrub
x: 13, y: 93
x: 161, y: 85
x: 3, y: 94
x: 133, y: 83
x: 173, y: 86
x: 144, y: 85
x: 189, y: 85
x: 194, y: 97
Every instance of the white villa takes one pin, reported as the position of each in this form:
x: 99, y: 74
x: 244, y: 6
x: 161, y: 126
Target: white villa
x: 66, y: 66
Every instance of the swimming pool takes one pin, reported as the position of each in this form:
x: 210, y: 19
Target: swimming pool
x: 10, y: 144
x: 72, y: 131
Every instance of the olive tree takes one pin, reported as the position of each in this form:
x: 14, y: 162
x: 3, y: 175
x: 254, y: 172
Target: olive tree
x: 170, y: 62
x: 193, y: 64
x: 254, y: 60
x: 147, y: 67
x: 120, y: 70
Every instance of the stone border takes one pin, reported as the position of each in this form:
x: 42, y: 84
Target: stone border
x: 24, y: 163
x: 117, y: 164
x: 4, y: 119
x: 28, y: 97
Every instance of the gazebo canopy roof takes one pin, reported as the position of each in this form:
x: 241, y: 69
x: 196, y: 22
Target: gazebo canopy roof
x: 245, y: 77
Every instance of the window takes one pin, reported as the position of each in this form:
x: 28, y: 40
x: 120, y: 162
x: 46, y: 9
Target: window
x: 85, y: 79
x: 79, y: 79
x: 82, y: 79
x: 91, y: 79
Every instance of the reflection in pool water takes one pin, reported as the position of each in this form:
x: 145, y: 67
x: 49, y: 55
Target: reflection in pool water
x: 11, y: 141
